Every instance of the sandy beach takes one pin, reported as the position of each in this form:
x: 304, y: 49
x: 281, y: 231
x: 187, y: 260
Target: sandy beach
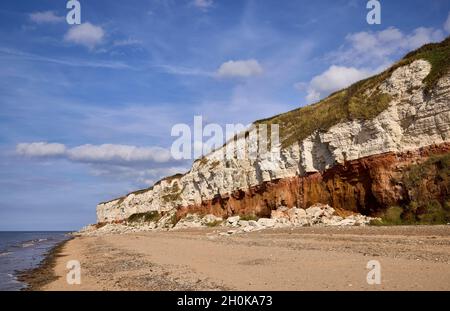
x: 411, y: 258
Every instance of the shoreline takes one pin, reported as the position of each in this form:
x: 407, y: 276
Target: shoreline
x: 306, y: 258
x: 36, y: 278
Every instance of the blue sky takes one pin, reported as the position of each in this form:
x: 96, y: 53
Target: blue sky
x: 86, y: 111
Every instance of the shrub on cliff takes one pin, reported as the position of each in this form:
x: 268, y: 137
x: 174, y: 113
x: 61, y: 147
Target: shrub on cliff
x: 248, y: 217
x: 428, y: 188
x: 152, y: 216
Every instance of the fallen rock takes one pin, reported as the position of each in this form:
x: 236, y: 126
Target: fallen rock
x: 283, y: 217
x: 233, y: 221
x: 243, y: 223
x: 267, y: 222
x: 316, y: 215
x: 346, y: 222
x: 190, y: 221
x: 253, y: 223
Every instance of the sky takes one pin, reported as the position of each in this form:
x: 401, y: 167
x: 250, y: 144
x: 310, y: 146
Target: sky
x: 86, y: 111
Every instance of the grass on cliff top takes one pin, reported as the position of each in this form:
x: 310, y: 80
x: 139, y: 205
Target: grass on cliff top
x: 354, y: 102
x: 438, y: 54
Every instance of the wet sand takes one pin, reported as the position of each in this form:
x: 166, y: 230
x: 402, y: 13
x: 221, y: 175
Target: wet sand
x: 411, y: 258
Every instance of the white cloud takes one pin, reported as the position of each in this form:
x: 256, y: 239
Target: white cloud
x: 333, y: 79
x: 374, y: 48
x: 119, y: 153
x: 422, y: 35
x: 106, y: 153
x: 46, y: 17
x: 447, y: 24
x: 85, y: 34
x: 203, y: 4
x: 40, y: 149
x: 143, y: 165
x: 240, y: 68
x: 363, y: 54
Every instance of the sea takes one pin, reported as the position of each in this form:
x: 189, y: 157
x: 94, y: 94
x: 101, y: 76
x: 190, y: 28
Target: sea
x: 21, y: 250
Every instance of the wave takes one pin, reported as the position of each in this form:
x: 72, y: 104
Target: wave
x: 33, y: 242
x: 5, y: 254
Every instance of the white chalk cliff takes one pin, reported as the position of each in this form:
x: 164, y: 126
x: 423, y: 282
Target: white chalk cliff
x: 412, y: 119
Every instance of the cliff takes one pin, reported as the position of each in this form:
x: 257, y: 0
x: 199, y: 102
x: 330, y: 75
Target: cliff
x: 362, y: 149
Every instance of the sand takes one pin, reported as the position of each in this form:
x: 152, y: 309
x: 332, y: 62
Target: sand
x: 411, y: 258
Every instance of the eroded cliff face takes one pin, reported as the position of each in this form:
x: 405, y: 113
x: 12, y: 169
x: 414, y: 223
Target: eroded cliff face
x: 352, y: 165
x: 366, y: 185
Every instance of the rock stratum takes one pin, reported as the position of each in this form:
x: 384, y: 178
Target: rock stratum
x: 382, y: 142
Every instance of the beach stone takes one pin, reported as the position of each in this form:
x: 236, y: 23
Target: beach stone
x: 266, y: 222
x: 333, y: 221
x: 295, y: 213
x: 346, y: 222
x: 243, y: 223
x: 190, y: 221
x: 233, y: 221
x: 278, y: 214
x: 253, y: 223
x: 282, y: 223
x: 248, y: 229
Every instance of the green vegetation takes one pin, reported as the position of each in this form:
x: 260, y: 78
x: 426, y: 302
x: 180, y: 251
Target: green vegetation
x: 202, y: 161
x: 214, y: 164
x: 392, y: 216
x: 152, y: 216
x: 174, y: 219
x: 169, y: 179
x: 248, y: 217
x: 438, y: 165
x: 173, y: 194
x: 361, y: 100
x: 438, y: 54
x: 424, y: 182
x: 214, y: 223
x: 100, y: 224
x: 349, y: 104
x: 433, y: 213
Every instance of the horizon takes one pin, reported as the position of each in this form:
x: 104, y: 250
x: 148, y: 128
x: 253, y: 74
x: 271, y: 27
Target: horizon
x: 77, y: 100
